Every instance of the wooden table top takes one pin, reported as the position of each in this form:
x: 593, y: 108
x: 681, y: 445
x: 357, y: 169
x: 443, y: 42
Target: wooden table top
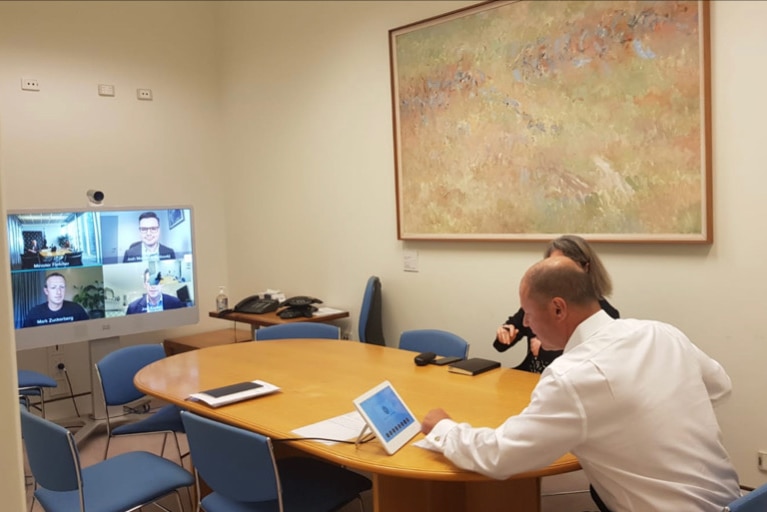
x: 320, y: 378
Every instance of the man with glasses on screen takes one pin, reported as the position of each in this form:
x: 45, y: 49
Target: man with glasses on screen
x: 149, y: 248
x: 56, y: 309
x: 153, y: 299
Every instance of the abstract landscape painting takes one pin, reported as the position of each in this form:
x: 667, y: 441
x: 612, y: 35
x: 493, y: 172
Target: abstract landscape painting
x: 524, y: 120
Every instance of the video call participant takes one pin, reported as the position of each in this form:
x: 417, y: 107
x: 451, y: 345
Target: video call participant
x: 56, y: 310
x: 632, y: 399
x: 32, y: 247
x: 153, y: 299
x: 149, y: 247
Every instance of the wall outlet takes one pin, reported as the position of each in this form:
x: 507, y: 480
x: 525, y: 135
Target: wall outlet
x: 761, y: 460
x: 55, y: 359
x: 106, y: 90
x: 30, y: 84
x: 144, y: 94
x: 346, y: 335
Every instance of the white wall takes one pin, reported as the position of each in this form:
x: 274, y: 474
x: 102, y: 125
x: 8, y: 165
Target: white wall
x: 65, y: 139
x: 274, y: 120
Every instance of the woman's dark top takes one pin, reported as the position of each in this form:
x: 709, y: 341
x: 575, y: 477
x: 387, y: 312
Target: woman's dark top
x: 532, y: 363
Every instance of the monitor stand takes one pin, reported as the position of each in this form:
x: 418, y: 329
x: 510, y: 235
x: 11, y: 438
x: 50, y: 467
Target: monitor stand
x: 96, y: 420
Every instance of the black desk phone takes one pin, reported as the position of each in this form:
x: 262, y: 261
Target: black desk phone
x: 299, y: 306
x: 257, y: 304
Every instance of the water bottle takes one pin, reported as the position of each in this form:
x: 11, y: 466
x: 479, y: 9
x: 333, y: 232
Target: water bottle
x: 222, y: 301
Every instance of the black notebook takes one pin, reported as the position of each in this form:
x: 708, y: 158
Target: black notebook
x: 473, y: 366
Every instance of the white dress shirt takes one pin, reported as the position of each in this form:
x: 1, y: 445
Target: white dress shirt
x: 632, y: 399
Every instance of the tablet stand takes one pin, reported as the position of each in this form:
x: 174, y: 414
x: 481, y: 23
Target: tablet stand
x: 364, y: 436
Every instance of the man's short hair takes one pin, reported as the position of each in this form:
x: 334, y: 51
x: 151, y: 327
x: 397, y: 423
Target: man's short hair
x: 149, y: 215
x: 549, y: 279
x: 54, y: 274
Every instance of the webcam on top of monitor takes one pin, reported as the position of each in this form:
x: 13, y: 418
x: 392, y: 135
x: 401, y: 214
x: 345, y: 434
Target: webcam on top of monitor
x: 95, y: 197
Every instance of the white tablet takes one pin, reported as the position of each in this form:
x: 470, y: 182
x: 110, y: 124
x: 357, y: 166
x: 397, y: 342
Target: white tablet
x: 387, y: 416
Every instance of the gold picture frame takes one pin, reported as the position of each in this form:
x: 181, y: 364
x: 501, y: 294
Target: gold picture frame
x: 523, y: 120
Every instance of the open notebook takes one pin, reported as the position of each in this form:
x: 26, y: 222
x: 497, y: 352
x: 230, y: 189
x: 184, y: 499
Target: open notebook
x: 387, y: 416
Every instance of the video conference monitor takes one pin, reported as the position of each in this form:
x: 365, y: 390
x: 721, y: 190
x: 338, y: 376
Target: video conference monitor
x: 86, y: 274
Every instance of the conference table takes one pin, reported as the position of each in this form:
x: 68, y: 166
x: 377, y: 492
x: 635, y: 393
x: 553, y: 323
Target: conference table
x: 318, y: 379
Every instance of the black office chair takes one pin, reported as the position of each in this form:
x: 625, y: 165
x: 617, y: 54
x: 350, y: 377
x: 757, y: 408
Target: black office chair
x: 75, y: 259
x: 371, y: 323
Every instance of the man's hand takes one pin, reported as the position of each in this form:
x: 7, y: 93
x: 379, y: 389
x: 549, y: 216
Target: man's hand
x: 432, y: 418
x: 506, y: 334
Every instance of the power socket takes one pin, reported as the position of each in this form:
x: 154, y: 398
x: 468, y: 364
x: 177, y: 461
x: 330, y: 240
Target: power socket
x: 144, y: 94
x: 30, y: 84
x: 761, y: 460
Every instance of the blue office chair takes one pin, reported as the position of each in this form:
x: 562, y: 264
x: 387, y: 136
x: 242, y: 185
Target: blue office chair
x: 124, y: 482
x: 32, y: 384
x: 442, y: 343
x: 371, y: 323
x: 298, y: 330
x: 115, y: 372
x: 754, y: 501
x: 240, y: 468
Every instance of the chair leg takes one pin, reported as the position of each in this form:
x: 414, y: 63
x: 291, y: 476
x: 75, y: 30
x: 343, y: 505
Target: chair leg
x: 178, y: 502
x: 181, y: 463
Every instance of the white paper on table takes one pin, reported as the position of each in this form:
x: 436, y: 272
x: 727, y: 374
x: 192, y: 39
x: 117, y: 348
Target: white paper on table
x: 344, y: 428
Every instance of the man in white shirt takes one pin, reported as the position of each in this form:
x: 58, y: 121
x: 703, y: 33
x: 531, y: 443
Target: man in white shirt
x: 632, y: 399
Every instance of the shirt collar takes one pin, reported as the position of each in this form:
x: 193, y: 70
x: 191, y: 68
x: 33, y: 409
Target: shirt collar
x: 587, y: 328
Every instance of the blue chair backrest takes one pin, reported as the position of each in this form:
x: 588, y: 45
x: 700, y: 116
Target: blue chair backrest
x: 298, y: 330
x: 755, y: 501
x: 371, y: 323
x: 52, y: 453
x: 234, y: 462
x: 442, y: 343
x: 117, y: 369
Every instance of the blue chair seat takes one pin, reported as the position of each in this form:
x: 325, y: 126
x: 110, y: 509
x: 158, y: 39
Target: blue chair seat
x: 442, y: 343
x: 165, y: 419
x: 298, y: 330
x: 240, y: 468
x: 301, y: 490
x: 115, y: 372
x: 754, y: 501
x: 124, y: 482
x: 119, y: 483
x: 32, y: 384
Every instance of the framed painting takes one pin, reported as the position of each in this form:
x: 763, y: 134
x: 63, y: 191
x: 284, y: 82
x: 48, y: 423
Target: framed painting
x: 175, y: 217
x: 525, y: 120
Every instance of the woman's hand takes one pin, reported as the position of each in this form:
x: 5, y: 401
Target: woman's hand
x: 506, y: 334
x: 535, y: 346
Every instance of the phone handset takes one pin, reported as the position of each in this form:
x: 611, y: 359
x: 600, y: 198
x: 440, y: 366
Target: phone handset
x: 300, y: 301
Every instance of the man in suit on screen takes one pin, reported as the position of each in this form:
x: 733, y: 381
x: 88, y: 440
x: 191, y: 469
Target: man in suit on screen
x: 149, y: 248
x: 153, y: 299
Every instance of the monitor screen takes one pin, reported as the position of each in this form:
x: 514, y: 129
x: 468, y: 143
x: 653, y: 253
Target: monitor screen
x: 85, y: 274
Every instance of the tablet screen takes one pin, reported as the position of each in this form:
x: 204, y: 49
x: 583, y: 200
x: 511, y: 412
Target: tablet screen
x: 387, y: 416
